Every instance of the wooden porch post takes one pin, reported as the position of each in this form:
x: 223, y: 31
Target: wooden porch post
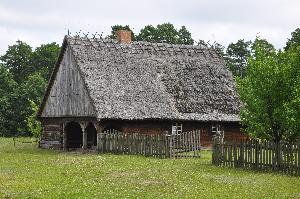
x: 84, y: 140
x: 64, y: 137
x: 84, y: 135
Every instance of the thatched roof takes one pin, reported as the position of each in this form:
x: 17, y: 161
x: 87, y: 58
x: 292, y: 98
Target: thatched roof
x: 145, y: 80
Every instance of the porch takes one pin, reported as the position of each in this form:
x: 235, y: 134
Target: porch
x: 86, y: 136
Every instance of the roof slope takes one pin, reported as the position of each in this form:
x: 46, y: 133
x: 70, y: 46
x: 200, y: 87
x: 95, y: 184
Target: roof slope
x: 145, y: 80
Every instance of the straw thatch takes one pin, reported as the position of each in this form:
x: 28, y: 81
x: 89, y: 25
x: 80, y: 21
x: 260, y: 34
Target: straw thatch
x: 145, y: 80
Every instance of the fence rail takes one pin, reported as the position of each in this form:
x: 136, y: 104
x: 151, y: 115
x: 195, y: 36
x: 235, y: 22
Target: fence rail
x: 259, y: 155
x: 184, y: 145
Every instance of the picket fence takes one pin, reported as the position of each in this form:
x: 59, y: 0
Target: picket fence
x: 184, y: 145
x: 258, y: 154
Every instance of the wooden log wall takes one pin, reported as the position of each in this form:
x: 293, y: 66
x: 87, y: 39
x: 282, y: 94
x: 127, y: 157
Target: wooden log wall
x: 51, y: 136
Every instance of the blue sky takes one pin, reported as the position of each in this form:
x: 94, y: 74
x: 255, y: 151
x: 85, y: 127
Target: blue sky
x: 37, y: 21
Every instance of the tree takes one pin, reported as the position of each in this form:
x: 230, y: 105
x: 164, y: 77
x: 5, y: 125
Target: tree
x: 263, y: 45
x: 292, y: 107
x: 115, y: 28
x: 270, y: 93
x: 31, y: 90
x: 34, y: 87
x: 7, y: 96
x: 148, y: 33
x: 24, y: 75
x: 44, y: 58
x: 33, y: 124
x: 185, y: 37
x: 18, y: 60
x: 165, y: 33
x: 236, y: 57
x: 16, y: 101
x: 294, y: 40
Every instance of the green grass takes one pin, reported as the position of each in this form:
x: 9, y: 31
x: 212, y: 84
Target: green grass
x: 29, y: 172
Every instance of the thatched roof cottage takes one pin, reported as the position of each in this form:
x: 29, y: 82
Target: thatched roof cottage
x: 100, y: 84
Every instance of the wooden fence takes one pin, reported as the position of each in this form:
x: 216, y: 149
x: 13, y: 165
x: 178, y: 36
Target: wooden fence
x: 184, y: 145
x: 258, y: 154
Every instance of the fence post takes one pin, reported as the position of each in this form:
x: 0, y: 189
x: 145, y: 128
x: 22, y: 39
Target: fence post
x: 277, y: 156
x: 166, y: 144
x: 217, y: 149
x: 99, y: 141
x: 214, y: 153
x: 170, y: 146
x: 198, y: 139
x: 241, y: 157
x: 256, y: 154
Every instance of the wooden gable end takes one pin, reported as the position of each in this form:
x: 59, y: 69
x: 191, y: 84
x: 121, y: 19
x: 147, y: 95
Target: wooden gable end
x: 68, y: 96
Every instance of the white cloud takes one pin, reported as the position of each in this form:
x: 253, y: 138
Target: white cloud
x: 37, y: 22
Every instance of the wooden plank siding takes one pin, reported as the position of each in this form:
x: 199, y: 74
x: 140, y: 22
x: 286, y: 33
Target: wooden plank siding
x: 68, y: 95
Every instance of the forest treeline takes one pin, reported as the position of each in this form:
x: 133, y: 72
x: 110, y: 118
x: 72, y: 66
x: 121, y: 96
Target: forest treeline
x: 268, y: 80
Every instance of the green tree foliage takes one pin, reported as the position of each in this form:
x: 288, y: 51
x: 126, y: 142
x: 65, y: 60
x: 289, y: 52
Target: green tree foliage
x: 34, y: 87
x: 33, y: 124
x: 263, y: 45
x: 44, y: 58
x: 31, y: 90
x: 294, y: 40
x: 237, y: 55
x: 148, y: 33
x: 7, y: 97
x: 165, y: 33
x: 270, y: 93
x: 185, y: 37
x: 115, y: 28
x: 24, y: 76
x: 18, y: 60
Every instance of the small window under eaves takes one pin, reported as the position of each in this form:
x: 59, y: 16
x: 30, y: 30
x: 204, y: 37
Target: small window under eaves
x: 176, y: 128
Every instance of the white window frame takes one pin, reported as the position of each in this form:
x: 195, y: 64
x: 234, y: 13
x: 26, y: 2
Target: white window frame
x: 176, y: 128
x: 216, y: 128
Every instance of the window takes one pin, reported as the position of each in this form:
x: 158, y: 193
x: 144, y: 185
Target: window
x: 176, y: 128
x: 216, y: 128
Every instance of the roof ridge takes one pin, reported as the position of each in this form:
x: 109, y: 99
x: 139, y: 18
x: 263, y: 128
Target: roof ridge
x: 140, y: 47
x: 138, y: 42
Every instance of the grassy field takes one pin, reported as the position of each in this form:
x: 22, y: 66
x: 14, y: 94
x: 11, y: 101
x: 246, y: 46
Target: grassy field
x: 29, y: 172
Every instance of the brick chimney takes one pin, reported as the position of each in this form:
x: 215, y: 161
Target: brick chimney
x: 123, y: 36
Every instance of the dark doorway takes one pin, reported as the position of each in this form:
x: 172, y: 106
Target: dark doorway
x: 74, y: 135
x: 91, y: 135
